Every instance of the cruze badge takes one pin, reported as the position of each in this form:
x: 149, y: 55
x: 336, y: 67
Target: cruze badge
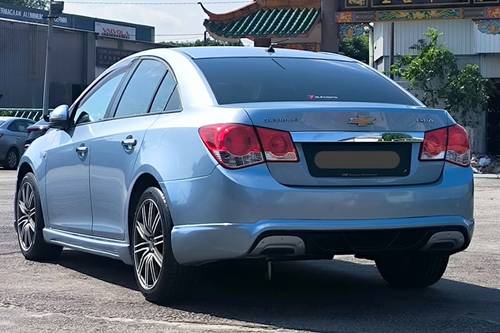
x: 425, y: 120
x: 362, y: 121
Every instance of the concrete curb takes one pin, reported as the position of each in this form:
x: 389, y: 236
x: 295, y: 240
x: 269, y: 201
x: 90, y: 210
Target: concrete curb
x: 487, y: 175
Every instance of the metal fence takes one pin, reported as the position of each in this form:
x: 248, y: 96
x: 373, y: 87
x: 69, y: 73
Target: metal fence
x: 34, y: 114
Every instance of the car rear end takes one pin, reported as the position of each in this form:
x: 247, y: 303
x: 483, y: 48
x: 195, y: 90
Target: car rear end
x: 354, y: 167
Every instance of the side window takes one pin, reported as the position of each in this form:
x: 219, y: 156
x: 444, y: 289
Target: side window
x: 94, y: 106
x: 25, y: 124
x: 14, y: 126
x: 19, y: 126
x: 141, y: 88
x: 174, y: 103
x: 166, y: 93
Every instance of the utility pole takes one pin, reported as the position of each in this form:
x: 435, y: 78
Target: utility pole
x: 329, y: 26
x: 369, y: 30
x: 391, y: 54
x: 55, y: 10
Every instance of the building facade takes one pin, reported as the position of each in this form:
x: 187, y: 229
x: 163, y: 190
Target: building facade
x: 82, y: 48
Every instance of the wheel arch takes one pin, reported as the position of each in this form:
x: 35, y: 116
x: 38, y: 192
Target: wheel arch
x: 23, y: 169
x: 15, y: 148
x: 141, y: 183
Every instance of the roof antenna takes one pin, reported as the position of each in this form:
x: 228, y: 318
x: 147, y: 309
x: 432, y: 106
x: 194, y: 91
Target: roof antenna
x: 276, y: 43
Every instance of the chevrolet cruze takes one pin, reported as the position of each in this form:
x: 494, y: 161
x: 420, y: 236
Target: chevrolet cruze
x: 179, y: 157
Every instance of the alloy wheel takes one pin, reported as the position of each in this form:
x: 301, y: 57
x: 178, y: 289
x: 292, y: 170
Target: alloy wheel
x: 148, y: 244
x: 27, y: 213
x: 12, y: 159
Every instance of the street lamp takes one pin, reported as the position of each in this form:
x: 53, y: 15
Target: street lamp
x: 55, y: 10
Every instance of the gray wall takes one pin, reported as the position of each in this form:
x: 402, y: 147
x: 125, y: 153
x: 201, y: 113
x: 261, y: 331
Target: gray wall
x: 22, y: 61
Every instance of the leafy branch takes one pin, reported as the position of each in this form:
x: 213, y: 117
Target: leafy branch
x: 434, y: 72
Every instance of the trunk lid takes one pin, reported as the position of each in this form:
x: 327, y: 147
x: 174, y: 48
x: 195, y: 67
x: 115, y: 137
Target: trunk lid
x: 352, y: 144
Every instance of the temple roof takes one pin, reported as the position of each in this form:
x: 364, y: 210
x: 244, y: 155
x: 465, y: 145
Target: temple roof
x: 265, y: 18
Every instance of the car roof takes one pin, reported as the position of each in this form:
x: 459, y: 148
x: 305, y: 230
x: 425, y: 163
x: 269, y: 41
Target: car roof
x: 6, y: 118
x: 202, y: 52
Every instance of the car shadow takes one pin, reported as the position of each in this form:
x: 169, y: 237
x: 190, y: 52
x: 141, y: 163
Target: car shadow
x: 105, y: 269
x: 320, y: 296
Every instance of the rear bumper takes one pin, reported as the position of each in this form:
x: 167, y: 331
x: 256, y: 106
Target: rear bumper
x: 222, y: 215
x: 208, y: 242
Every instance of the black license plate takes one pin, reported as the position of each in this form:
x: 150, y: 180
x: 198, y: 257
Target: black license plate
x: 358, y: 159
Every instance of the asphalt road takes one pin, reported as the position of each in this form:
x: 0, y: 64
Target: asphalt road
x: 85, y: 293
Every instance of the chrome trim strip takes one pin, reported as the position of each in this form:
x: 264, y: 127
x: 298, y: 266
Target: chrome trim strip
x: 412, y: 137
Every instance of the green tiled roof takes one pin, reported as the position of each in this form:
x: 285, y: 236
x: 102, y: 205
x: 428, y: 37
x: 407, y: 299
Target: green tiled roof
x: 282, y: 22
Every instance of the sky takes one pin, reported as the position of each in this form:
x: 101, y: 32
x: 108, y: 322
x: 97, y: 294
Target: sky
x: 171, y: 21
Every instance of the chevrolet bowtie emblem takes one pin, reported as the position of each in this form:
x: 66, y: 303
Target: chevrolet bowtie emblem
x: 362, y: 121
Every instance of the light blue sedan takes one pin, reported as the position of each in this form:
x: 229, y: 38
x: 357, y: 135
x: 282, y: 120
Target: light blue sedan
x: 179, y: 157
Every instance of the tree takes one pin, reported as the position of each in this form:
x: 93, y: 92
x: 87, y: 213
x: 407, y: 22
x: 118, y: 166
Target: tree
x: 355, y: 47
x: 430, y: 70
x: 467, y: 91
x: 434, y: 72
x: 38, y: 4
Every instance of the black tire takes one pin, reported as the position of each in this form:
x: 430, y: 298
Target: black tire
x: 172, y: 278
x: 29, y: 219
x: 11, y: 159
x: 415, y: 270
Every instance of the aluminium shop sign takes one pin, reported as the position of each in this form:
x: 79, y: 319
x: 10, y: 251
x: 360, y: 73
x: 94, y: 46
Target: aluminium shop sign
x: 108, y: 28
x: 31, y: 15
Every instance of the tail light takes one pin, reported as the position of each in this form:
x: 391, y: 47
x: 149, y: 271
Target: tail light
x: 277, y: 145
x: 237, y: 146
x: 449, y: 143
x: 232, y: 145
x: 458, y: 151
x: 434, y: 145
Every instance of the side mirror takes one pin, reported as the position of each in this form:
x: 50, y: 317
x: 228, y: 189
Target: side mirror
x: 59, y: 117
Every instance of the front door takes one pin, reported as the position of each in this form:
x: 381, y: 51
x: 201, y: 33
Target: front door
x: 67, y: 181
x: 68, y: 160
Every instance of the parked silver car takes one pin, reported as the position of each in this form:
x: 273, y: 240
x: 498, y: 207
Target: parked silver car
x: 13, y: 134
x: 178, y: 157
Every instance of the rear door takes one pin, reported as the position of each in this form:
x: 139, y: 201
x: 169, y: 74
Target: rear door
x: 116, y: 145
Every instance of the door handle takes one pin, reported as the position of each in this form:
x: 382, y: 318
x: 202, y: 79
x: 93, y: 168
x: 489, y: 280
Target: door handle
x: 129, y: 143
x: 82, y: 150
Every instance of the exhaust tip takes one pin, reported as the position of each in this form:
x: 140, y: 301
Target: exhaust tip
x: 445, y: 241
x: 279, y: 246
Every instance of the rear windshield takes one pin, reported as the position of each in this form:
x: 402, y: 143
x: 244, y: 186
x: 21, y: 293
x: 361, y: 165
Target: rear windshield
x: 243, y: 80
